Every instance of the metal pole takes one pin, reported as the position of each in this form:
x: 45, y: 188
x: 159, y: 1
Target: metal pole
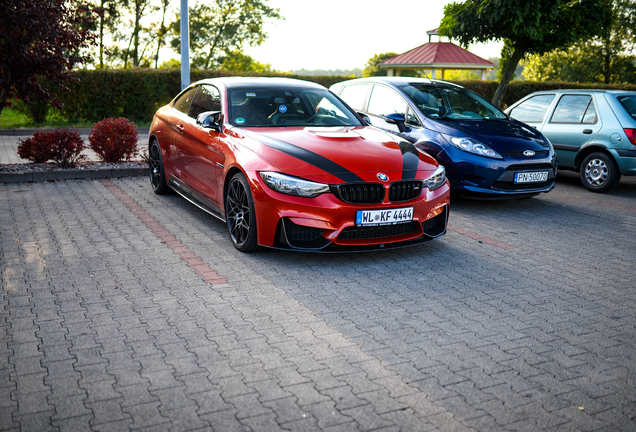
x: 185, y: 45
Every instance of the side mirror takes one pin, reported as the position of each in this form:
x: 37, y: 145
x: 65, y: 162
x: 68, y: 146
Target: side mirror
x: 210, y: 120
x: 365, y: 117
x: 396, y: 119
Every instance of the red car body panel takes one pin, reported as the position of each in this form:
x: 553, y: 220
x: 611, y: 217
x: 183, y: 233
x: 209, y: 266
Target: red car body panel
x: 201, y: 161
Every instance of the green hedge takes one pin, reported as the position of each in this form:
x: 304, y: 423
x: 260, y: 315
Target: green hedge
x: 520, y: 89
x: 137, y: 93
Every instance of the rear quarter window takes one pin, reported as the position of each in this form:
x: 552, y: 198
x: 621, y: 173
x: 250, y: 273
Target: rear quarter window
x: 629, y: 103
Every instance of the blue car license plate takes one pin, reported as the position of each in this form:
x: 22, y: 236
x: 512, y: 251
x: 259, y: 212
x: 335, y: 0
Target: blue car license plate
x: 531, y: 177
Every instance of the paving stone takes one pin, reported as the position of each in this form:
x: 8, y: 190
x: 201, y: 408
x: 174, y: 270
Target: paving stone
x: 450, y: 335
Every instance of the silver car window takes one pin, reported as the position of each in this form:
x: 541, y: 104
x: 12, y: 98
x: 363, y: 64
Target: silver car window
x: 532, y: 110
x: 355, y: 95
x: 573, y: 109
x: 385, y: 101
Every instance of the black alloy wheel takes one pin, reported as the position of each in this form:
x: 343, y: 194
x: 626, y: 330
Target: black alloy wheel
x: 157, y: 176
x: 240, y: 215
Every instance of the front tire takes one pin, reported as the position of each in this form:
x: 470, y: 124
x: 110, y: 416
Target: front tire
x: 157, y: 175
x: 240, y: 215
x: 599, y: 172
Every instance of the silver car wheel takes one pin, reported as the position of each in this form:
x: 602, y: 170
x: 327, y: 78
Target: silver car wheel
x: 596, y: 172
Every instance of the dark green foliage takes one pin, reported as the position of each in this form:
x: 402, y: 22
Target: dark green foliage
x: 36, y: 109
x: 137, y: 93
x: 525, y: 27
x: 519, y: 89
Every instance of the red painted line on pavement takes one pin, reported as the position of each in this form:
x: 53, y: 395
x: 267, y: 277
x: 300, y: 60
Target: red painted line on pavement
x: 193, y: 261
x: 594, y: 202
x: 477, y: 237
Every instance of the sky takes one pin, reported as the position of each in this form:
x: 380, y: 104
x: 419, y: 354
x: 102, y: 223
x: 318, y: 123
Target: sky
x: 345, y: 34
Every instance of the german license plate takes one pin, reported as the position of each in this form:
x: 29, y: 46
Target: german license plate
x: 531, y: 177
x: 384, y: 217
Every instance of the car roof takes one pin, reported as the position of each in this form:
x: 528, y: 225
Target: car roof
x: 616, y: 92
x: 396, y: 81
x: 237, y: 82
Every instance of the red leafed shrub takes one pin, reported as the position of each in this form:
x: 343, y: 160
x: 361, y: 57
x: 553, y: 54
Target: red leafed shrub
x: 63, y: 147
x: 114, y: 139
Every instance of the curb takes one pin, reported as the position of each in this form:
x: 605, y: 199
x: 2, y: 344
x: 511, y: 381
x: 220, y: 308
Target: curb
x: 82, y: 131
x: 72, y: 174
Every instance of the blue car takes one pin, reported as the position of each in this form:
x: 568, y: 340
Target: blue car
x: 486, y: 154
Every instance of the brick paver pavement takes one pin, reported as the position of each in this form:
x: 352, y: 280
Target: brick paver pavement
x: 124, y: 310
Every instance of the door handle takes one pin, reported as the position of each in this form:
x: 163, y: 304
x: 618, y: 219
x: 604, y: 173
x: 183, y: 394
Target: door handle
x: 587, y: 131
x: 179, y: 127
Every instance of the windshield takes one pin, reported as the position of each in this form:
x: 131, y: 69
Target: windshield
x: 283, y: 107
x: 629, y: 103
x: 449, y: 102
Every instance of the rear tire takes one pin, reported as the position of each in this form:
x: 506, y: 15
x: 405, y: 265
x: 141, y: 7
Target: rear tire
x: 599, y: 172
x: 157, y: 175
x: 240, y: 215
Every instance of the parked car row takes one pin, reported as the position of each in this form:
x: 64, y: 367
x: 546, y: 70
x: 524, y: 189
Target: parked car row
x: 371, y: 164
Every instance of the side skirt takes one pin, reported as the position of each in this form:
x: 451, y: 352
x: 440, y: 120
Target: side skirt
x: 196, y: 199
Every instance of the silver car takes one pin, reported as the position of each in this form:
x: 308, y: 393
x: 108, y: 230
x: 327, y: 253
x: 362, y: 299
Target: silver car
x: 592, y: 131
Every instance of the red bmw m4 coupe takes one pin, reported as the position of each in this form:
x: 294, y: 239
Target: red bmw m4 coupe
x: 286, y: 164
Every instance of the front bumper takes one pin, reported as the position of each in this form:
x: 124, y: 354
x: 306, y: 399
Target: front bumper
x: 327, y: 224
x: 483, y: 178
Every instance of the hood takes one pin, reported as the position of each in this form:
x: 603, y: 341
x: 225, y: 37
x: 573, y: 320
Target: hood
x: 336, y: 155
x: 503, y: 136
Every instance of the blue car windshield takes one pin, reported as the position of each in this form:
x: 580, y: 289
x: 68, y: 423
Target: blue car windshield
x: 273, y: 106
x: 451, y: 103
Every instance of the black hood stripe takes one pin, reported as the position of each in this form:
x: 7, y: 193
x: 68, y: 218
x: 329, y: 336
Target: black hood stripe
x: 410, y: 160
x: 306, y: 156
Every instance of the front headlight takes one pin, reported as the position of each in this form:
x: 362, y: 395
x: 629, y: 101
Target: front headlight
x: 473, y: 146
x: 292, y: 185
x: 437, y: 179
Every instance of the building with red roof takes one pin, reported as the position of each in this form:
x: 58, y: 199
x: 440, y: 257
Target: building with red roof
x: 436, y: 56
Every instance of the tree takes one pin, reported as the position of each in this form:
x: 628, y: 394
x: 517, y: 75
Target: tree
x: 607, y: 58
x: 41, y: 40
x: 526, y: 27
x: 108, y: 12
x: 617, y: 38
x: 162, y: 30
x: 583, y: 62
x: 372, y: 68
x: 218, y: 27
x: 237, y: 61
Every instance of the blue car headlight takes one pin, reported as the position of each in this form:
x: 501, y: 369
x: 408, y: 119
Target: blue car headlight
x: 292, y: 185
x: 473, y: 146
x: 437, y: 179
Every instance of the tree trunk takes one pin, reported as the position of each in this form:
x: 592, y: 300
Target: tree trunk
x: 607, y: 69
x: 162, y: 30
x: 4, y: 90
x: 507, y: 76
x: 101, y: 36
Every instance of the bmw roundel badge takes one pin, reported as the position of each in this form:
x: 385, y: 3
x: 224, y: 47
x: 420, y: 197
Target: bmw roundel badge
x: 383, y: 177
x: 529, y: 153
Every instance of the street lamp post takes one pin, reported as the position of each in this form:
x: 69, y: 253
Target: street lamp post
x: 185, y: 45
